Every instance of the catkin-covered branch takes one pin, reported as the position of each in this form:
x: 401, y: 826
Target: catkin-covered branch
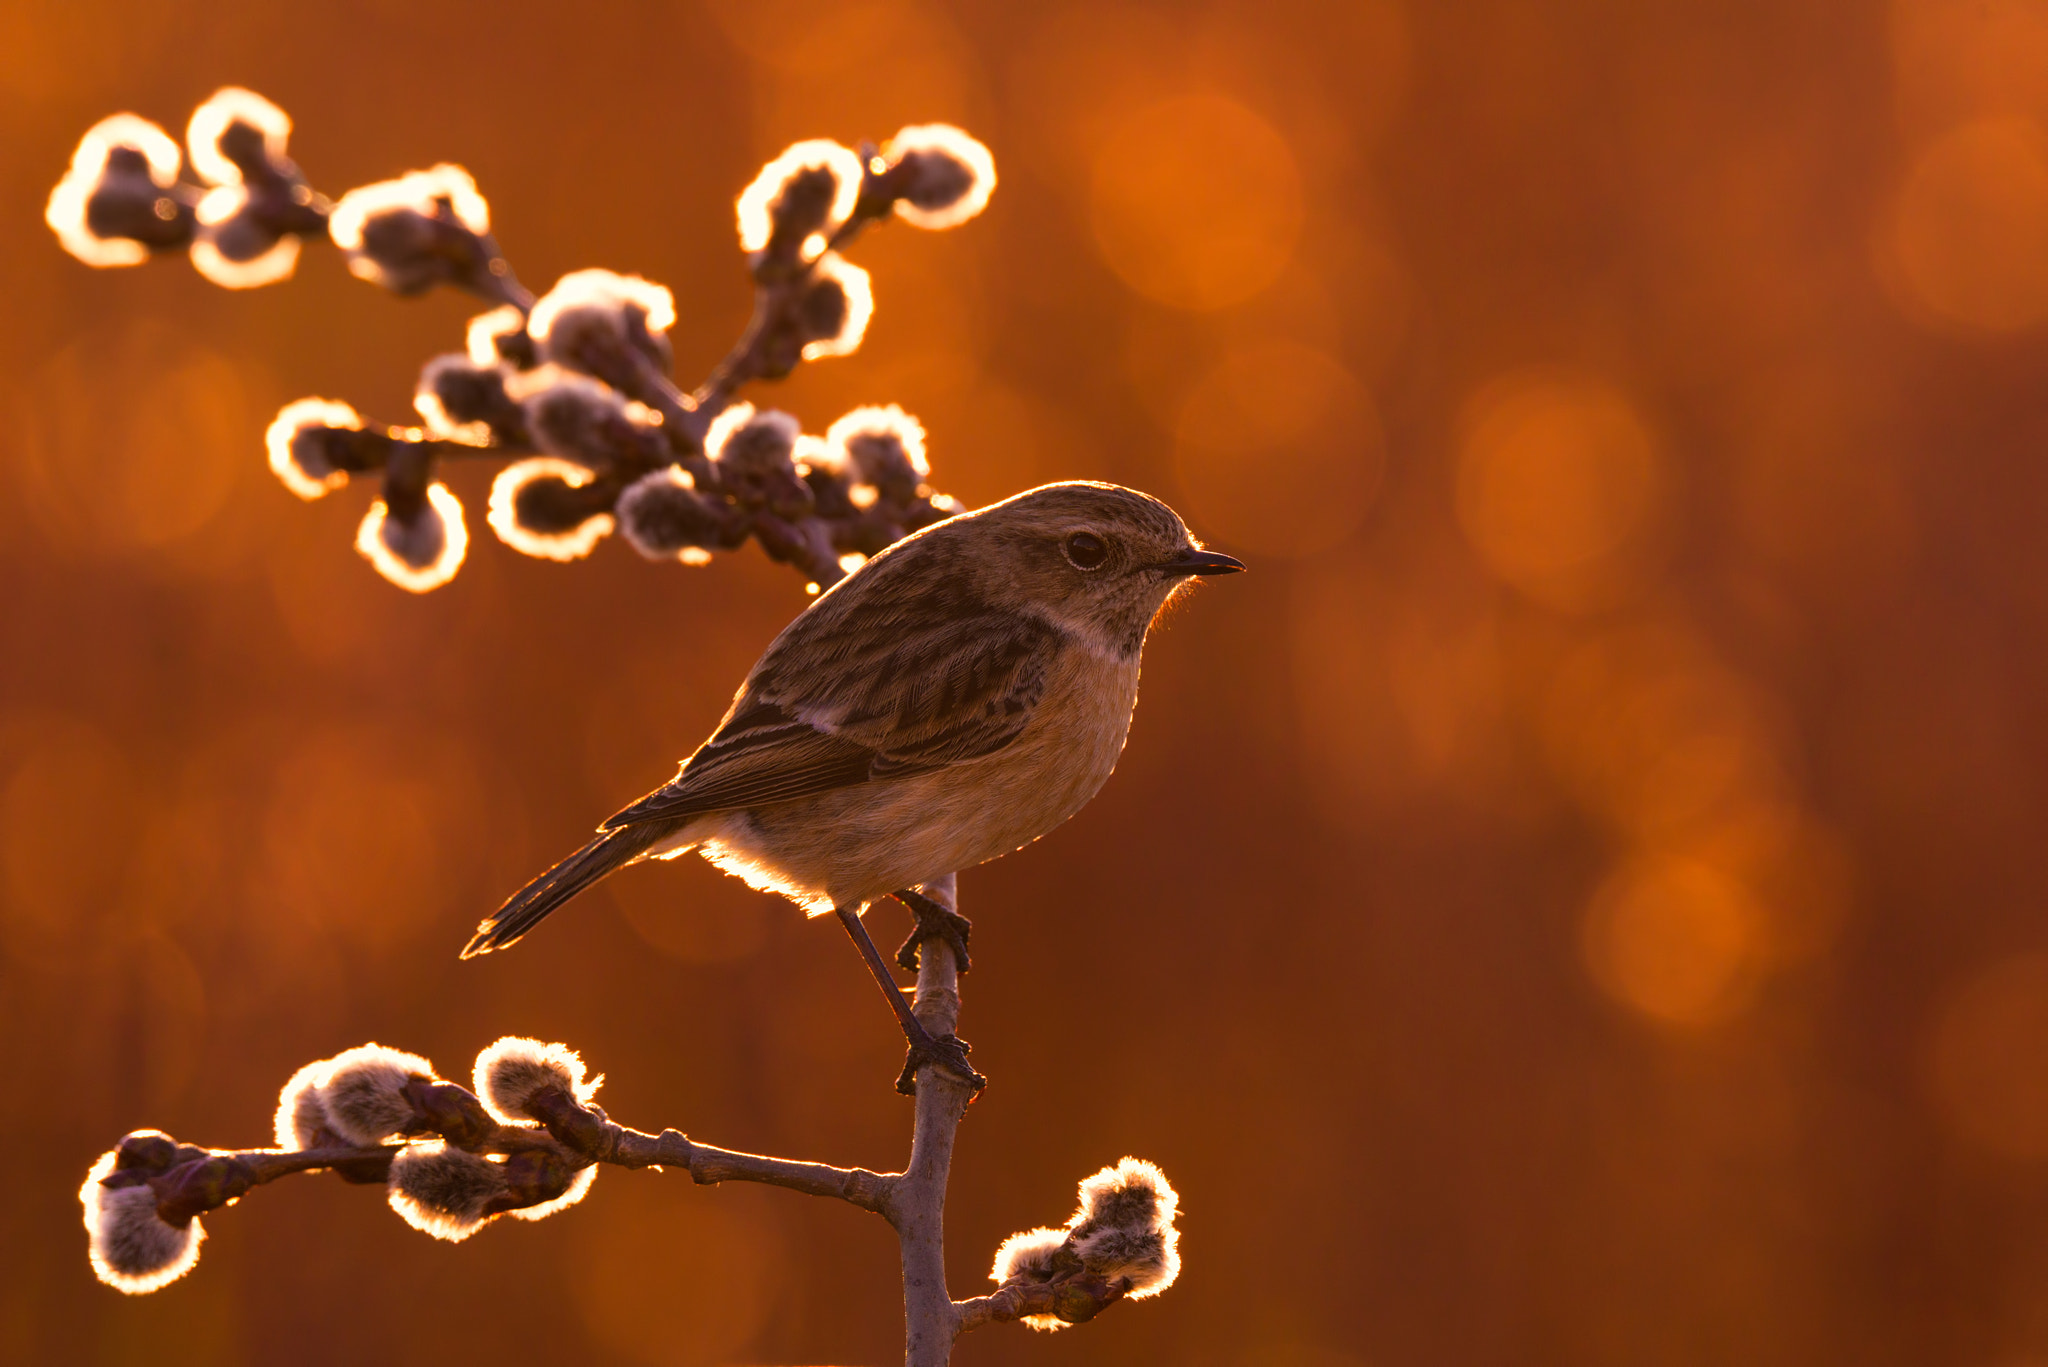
x: 527, y: 1143
x: 572, y: 391
x: 571, y: 394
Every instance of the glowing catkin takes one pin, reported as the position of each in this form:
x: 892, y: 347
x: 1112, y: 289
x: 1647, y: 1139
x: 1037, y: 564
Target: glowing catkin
x: 234, y: 251
x: 582, y: 420
x: 443, y: 1191
x: 301, y: 1115
x: 1124, y: 1227
x: 510, y: 1073
x: 132, y: 1248
x: 1027, y: 1257
x: 147, y: 176
x: 752, y: 439
x: 364, y: 1092
x: 951, y: 175
x: 579, y: 1187
x: 882, y: 447
x: 836, y: 308
x: 603, y: 296
x: 223, y: 109
x: 430, y: 398
x: 419, y: 192
x: 385, y: 230
x: 419, y: 555
x: 489, y: 333
x: 529, y: 500
x: 663, y: 517
x: 295, y: 440
x: 778, y: 201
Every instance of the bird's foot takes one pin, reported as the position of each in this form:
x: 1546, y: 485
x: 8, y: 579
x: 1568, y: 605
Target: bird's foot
x: 934, y: 922
x: 948, y: 1052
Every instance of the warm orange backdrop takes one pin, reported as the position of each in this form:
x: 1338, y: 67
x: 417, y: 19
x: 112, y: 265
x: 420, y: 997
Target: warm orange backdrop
x: 1580, y: 900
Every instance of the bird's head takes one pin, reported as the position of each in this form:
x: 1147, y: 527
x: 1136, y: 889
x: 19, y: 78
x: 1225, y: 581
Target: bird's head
x: 1098, y: 559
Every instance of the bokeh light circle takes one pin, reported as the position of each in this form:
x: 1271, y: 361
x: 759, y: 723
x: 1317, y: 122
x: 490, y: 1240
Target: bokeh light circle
x: 1278, y: 450
x: 1196, y: 202
x: 134, y: 440
x: 1674, y: 939
x: 1559, y: 480
x: 1970, y: 227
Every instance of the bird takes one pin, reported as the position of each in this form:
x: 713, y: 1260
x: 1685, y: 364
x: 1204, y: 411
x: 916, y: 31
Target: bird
x: 959, y: 695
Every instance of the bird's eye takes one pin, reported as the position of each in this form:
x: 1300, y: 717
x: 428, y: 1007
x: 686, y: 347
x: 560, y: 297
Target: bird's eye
x: 1086, y: 550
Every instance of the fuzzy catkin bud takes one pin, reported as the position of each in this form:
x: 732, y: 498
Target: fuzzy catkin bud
x: 884, y: 448
x: 798, y: 200
x: 301, y: 1115
x: 298, y: 443
x: 1124, y: 1227
x: 443, y: 1191
x: 417, y: 231
x: 512, y: 1071
x: 1029, y: 1257
x: 419, y: 553
x: 214, y: 159
x: 753, y: 455
x: 120, y: 198
x: 579, y: 1187
x: 664, y: 517
x: 133, y: 1248
x: 582, y: 420
x: 250, y: 222
x: 825, y: 470
x: 592, y: 313
x: 500, y: 335
x: 464, y: 401
x: 946, y: 177
x: 234, y: 247
x: 550, y: 508
x: 363, y: 1092
x: 833, y: 313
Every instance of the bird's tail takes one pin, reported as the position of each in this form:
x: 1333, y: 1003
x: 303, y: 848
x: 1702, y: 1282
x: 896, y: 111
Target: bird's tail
x: 529, y: 906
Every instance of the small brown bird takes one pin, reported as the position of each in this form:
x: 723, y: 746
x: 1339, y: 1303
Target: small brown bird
x: 955, y: 698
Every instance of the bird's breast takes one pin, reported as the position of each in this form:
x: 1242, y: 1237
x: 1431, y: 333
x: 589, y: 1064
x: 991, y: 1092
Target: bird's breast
x: 1064, y: 757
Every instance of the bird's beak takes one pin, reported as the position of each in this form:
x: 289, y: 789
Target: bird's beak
x: 1200, y: 562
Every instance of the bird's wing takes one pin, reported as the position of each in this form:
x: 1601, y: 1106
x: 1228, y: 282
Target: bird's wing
x: 853, y: 699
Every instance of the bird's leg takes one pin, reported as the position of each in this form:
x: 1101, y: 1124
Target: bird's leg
x: 948, y: 1051
x: 934, y: 922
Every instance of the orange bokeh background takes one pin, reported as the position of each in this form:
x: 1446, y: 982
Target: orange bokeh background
x: 1580, y: 900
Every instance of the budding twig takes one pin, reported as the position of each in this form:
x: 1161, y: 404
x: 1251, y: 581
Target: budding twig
x: 529, y: 1140
x: 582, y: 373
x: 573, y: 391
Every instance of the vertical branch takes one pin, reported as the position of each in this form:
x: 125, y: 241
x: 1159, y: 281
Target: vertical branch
x: 918, y: 1204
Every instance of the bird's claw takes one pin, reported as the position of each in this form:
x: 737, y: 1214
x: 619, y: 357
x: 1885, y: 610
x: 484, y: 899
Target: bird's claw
x: 934, y: 922
x: 946, y: 1051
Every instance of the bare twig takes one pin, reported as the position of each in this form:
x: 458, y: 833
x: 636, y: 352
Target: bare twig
x: 917, y: 1202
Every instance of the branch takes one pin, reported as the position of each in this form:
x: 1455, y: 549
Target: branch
x: 588, y: 1132
x: 582, y: 373
x: 528, y: 1142
x: 770, y: 344
x: 1074, y: 1300
x: 917, y: 1203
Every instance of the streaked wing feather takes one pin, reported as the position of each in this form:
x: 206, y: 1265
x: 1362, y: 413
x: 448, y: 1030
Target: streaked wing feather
x: 842, y: 698
x: 775, y: 766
